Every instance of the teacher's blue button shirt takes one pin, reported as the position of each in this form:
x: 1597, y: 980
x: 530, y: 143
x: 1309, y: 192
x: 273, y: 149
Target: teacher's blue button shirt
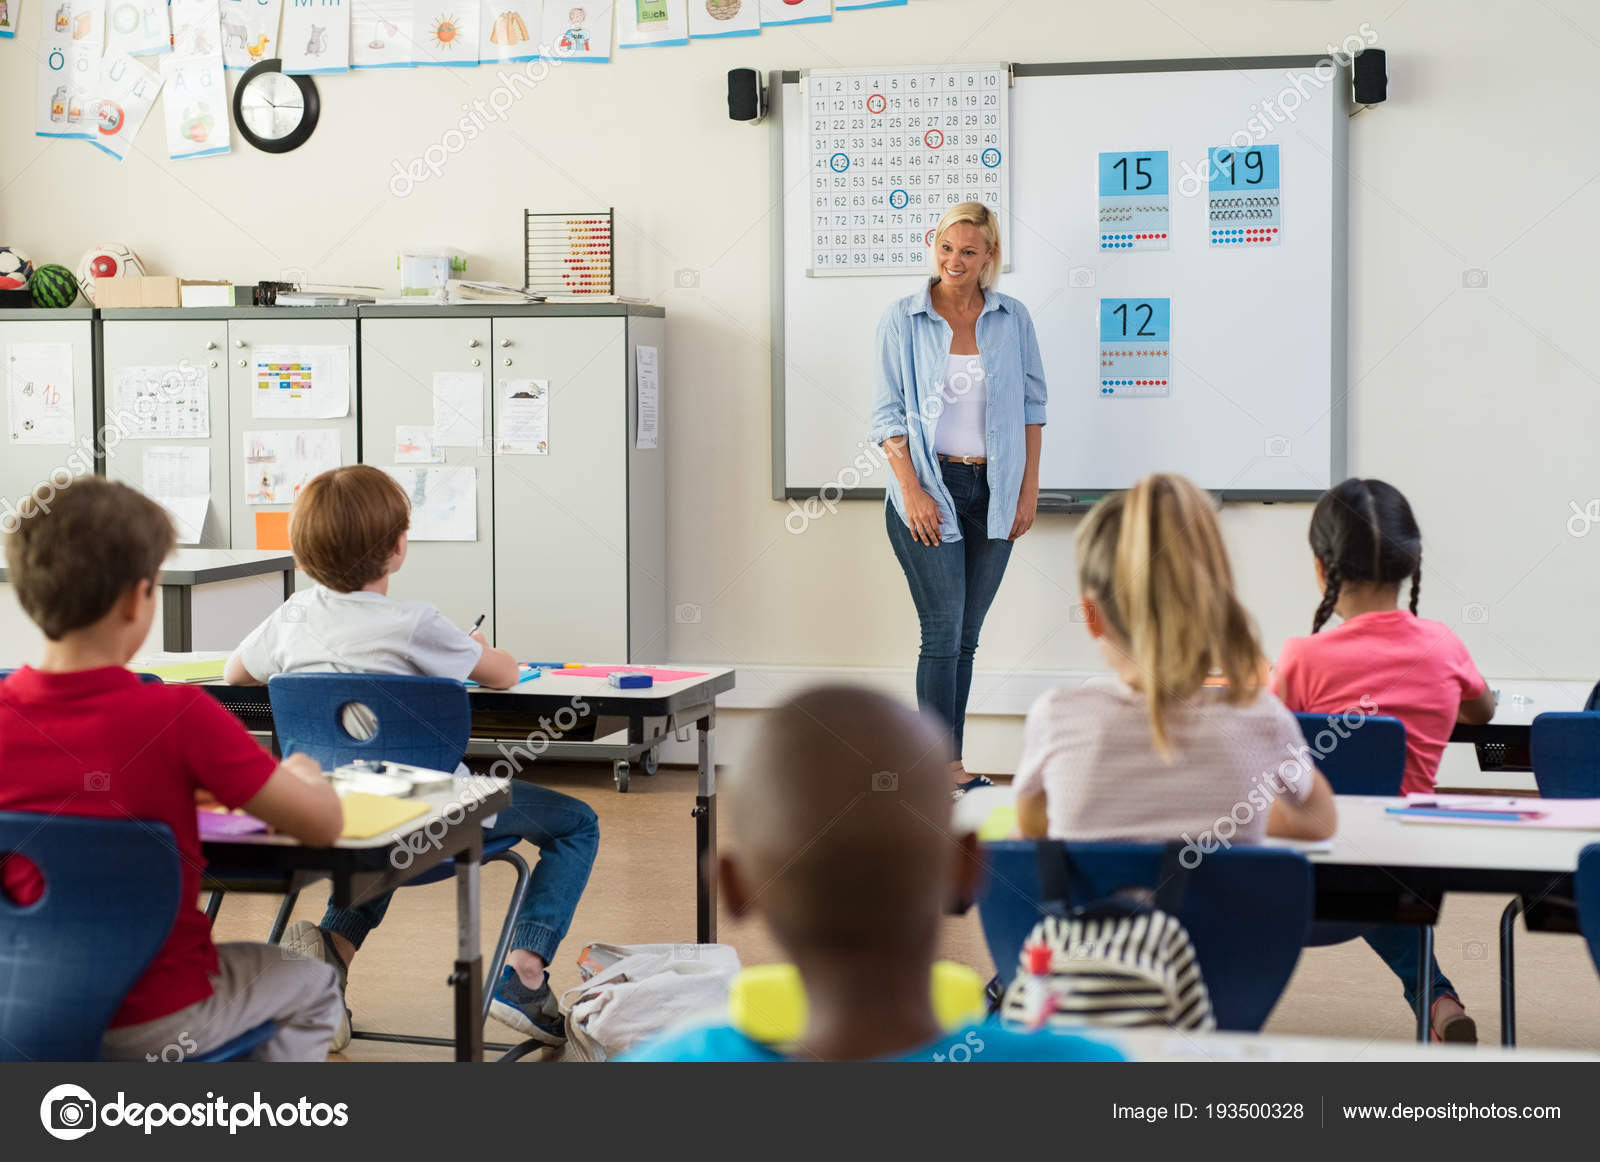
x: 913, y: 354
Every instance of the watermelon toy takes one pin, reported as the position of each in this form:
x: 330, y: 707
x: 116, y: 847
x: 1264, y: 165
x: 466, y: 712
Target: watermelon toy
x: 53, y: 286
x: 15, y: 268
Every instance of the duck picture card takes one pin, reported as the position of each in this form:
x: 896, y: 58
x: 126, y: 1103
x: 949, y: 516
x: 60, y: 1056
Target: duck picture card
x: 249, y: 32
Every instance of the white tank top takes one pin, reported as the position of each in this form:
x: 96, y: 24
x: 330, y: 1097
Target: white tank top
x: 963, y: 421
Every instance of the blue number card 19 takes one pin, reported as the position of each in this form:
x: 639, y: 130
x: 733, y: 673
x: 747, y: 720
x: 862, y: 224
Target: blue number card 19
x: 1135, y: 356
x: 1245, y: 203
x: 1134, y: 211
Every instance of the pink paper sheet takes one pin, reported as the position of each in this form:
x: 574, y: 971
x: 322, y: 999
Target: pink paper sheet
x: 218, y: 825
x: 607, y: 671
x: 1562, y: 814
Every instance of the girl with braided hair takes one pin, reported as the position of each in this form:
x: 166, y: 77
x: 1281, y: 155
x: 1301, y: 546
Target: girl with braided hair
x: 1366, y: 546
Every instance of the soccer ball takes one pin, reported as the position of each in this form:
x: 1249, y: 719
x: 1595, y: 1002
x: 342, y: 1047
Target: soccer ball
x: 15, y: 268
x: 108, y: 260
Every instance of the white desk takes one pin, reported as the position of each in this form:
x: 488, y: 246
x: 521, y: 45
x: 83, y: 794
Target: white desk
x: 210, y: 599
x: 526, y: 718
x: 361, y: 869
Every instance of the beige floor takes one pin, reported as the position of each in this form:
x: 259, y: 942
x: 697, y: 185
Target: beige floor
x: 642, y: 890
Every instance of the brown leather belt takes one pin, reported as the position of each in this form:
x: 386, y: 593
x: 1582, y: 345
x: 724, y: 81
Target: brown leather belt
x: 962, y: 459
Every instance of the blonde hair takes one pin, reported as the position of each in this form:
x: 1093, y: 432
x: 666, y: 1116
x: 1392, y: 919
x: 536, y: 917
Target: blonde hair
x: 979, y: 215
x: 1153, y: 561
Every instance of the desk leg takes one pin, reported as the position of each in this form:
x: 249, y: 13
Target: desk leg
x: 1425, y: 983
x: 705, y: 834
x: 177, y: 619
x: 468, y: 975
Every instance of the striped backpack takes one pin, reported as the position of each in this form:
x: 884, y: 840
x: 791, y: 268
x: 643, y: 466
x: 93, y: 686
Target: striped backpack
x: 1121, y: 960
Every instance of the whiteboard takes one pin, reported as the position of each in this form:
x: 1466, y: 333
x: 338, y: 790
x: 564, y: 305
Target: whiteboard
x: 1258, y: 365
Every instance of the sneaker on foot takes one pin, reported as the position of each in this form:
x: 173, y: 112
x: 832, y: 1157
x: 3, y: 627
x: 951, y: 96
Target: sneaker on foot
x: 305, y: 940
x: 534, y: 1013
x: 971, y: 784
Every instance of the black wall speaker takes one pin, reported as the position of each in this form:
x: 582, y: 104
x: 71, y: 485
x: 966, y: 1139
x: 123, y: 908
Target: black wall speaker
x: 746, y: 98
x: 1371, y: 76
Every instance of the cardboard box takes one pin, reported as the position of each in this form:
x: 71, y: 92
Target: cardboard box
x: 138, y: 291
x: 161, y: 290
x: 201, y: 293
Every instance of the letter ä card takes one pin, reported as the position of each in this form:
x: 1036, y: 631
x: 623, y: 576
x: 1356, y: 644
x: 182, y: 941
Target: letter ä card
x: 1135, y: 213
x: 1135, y: 355
x: 1244, y: 201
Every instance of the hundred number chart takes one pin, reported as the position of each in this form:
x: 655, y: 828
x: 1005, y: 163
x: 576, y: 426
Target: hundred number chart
x: 891, y: 151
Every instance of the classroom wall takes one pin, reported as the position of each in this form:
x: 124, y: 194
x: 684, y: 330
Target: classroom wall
x: 1479, y: 401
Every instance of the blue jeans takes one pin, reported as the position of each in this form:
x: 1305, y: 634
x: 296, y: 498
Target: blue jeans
x: 1397, y: 946
x: 567, y: 835
x: 952, y: 584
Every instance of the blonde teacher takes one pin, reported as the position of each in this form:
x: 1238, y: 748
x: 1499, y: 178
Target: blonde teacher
x: 958, y: 407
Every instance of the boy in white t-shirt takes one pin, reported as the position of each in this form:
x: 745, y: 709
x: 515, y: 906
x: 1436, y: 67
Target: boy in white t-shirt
x: 348, y: 531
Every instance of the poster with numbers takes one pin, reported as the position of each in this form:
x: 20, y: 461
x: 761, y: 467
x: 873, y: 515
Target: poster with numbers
x: 891, y: 150
x: 1243, y: 199
x: 1135, y: 348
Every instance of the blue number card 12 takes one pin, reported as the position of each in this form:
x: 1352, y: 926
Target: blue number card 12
x: 1134, y: 209
x: 1135, y: 354
x: 1246, y: 205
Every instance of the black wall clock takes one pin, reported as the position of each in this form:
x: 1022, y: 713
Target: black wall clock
x: 275, y: 112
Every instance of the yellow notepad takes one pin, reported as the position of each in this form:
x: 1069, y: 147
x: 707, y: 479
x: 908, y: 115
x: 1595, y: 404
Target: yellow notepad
x: 368, y: 815
x: 188, y: 671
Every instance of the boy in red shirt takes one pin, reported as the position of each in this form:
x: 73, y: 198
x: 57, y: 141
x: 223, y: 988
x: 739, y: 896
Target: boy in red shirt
x: 82, y: 735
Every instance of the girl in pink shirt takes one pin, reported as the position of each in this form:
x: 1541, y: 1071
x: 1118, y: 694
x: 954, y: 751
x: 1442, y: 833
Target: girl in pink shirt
x: 1366, y: 544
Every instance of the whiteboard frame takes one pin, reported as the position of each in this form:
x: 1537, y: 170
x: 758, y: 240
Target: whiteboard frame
x: 1056, y: 500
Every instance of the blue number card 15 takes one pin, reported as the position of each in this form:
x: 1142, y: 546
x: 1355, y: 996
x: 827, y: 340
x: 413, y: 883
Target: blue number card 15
x: 1135, y: 355
x: 1245, y: 203
x: 1134, y: 210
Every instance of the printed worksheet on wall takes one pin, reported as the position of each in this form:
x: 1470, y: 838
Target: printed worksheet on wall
x: 178, y: 477
x: 444, y: 501
x: 160, y: 403
x: 71, y: 36
x: 277, y: 465
x: 301, y: 383
x: 39, y: 399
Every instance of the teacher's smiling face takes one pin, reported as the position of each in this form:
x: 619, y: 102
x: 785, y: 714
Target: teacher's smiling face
x: 962, y: 252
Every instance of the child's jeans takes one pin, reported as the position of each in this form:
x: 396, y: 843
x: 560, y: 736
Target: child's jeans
x: 1397, y: 946
x: 567, y: 835
x: 254, y: 983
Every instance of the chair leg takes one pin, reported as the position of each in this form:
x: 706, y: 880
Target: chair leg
x: 502, y: 948
x: 281, y: 921
x: 213, y: 905
x: 1508, y: 981
x: 1425, y: 983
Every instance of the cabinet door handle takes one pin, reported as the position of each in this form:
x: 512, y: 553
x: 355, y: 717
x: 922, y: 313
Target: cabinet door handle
x: 505, y: 342
x: 238, y: 343
x: 508, y: 363
x: 244, y: 363
x: 472, y: 342
x: 476, y: 362
x: 213, y: 363
x: 211, y: 346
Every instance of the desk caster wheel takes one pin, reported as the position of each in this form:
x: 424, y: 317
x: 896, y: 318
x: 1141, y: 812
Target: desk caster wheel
x: 650, y: 763
x: 619, y: 771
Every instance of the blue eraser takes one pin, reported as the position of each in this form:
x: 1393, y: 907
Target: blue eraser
x: 624, y: 681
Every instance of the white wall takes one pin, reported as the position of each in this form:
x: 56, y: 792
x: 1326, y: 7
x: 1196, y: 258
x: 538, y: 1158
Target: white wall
x: 1481, y: 404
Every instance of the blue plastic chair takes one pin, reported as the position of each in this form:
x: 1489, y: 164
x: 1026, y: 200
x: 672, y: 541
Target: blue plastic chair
x: 1246, y: 911
x: 1369, y: 760
x: 424, y: 722
x: 109, y: 901
x: 1565, y: 748
x: 1588, y: 893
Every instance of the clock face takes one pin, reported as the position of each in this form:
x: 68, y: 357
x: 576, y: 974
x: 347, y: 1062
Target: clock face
x: 272, y: 106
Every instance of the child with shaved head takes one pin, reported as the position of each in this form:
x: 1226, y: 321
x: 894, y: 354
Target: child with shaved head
x: 841, y: 840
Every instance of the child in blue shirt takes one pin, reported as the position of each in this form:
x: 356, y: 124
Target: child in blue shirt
x: 842, y: 842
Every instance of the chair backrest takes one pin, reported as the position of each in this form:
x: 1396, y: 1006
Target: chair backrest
x: 1588, y: 893
x: 68, y: 959
x: 1566, y: 755
x: 1246, y: 910
x: 1369, y: 759
x: 425, y: 722
x: 1593, y: 702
